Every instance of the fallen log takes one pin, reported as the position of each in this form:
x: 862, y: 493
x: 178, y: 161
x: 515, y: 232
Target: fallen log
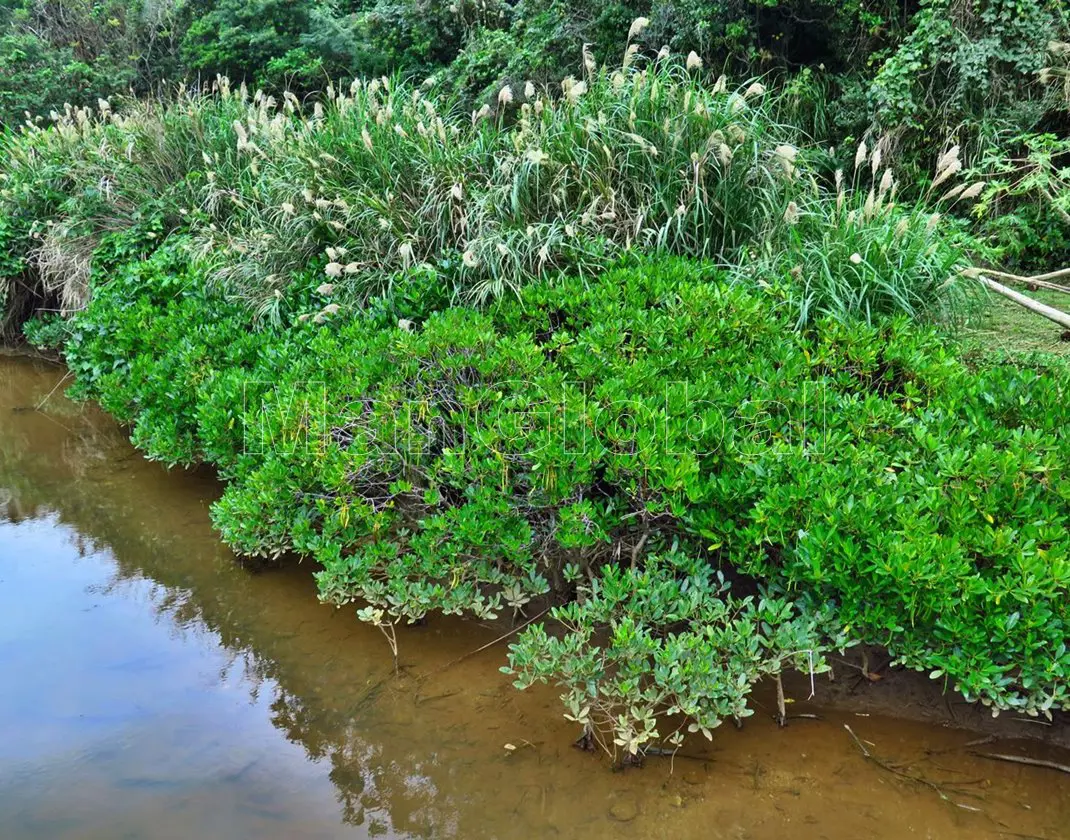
x: 1037, y: 281
x: 1042, y: 309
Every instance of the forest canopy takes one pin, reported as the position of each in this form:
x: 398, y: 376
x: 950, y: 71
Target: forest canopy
x: 926, y: 65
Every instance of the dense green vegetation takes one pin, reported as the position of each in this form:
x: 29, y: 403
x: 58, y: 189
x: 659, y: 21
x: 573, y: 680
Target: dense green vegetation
x: 623, y: 440
x: 670, y: 351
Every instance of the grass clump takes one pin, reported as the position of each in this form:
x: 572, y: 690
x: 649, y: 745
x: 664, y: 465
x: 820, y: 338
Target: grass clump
x: 852, y: 250
x: 386, y: 178
x: 96, y: 186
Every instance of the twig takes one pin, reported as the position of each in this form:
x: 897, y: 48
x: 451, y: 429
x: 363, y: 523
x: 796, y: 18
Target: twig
x: 489, y: 644
x: 659, y: 752
x: 895, y: 771
x: 861, y: 746
x: 638, y: 548
x: 420, y: 700
x: 870, y: 675
x: 1040, y: 284
x: 977, y: 742
x: 1031, y: 762
x: 48, y: 396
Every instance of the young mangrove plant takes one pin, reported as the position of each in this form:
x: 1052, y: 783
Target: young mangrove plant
x: 667, y: 645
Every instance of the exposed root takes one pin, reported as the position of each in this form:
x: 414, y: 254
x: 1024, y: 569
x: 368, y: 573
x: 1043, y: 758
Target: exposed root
x: 586, y: 741
x: 898, y: 771
x: 781, y: 706
x: 1030, y: 762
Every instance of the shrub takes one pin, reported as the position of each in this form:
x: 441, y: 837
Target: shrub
x: 150, y: 348
x: 666, y: 643
x: 471, y: 462
x: 940, y: 529
x: 967, y: 60
x: 1025, y: 208
x: 77, y: 51
x: 46, y: 331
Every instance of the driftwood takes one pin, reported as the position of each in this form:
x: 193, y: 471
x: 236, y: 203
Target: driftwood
x: 1037, y: 281
x: 1051, y: 275
x: 1032, y: 284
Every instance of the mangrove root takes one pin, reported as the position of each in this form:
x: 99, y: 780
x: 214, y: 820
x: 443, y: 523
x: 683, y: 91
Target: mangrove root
x: 901, y: 773
x: 1031, y: 762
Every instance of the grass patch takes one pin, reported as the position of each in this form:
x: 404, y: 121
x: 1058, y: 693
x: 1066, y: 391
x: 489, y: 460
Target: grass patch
x: 1005, y: 327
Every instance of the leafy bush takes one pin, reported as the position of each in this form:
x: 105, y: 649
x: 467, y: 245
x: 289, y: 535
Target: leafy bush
x: 944, y: 543
x: 77, y: 51
x: 614, y: 441
x: 667, y: 641
x: 967, y: 59
x: 1025, y: 208
x: 47, y: 331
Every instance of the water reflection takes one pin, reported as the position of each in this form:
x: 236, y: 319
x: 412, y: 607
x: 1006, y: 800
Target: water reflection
x: 156, y: 688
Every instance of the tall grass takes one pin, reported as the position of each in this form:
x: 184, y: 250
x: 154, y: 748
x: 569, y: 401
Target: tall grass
x: 68, y: 182
x: 850, y: 250
x: 387, y: 178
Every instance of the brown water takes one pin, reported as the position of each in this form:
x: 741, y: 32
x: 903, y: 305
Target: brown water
x: 152, y: 687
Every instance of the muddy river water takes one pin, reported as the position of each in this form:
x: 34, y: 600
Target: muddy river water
x: 151, y: 686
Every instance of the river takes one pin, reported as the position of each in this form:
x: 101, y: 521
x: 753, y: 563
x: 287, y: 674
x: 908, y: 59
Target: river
x: 153, y: 686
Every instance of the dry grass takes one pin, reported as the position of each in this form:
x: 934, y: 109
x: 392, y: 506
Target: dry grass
x: 64, y: 263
